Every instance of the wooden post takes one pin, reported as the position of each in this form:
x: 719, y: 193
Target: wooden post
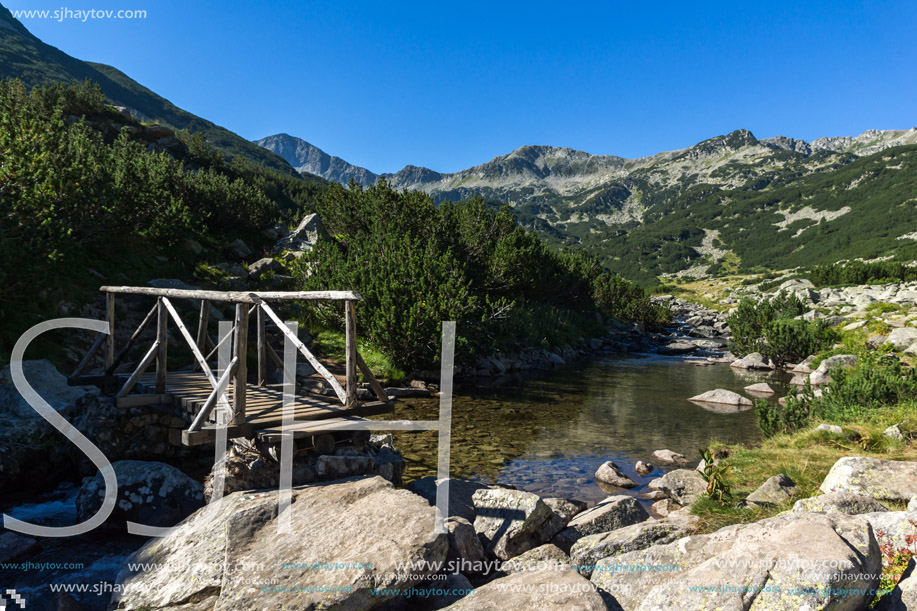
x: 110, y: 342
x: 350, y: 335
x: 202, y: 321
x: 239, y: 380
x: 262, y: 347
x: 163, y: 338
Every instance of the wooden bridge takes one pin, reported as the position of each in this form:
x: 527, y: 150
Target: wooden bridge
x: 231, y: 397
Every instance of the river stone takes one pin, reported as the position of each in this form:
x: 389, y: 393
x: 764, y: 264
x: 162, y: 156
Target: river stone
x: 511, y: 522
x: 788, y: 562
x: 47, y: 381
x: 804, y: 366
x: 885, y: 480
x: 775, y: 491
x: 586, y: 552
x: 762, y: 388
x: 528, y: 590
x: 465, y: 548
x: 721, y: 395
x: 609, y: 473
x: 840, y: 502
x: 460, y: 493
x: 755, y: 360
x: 669, y: 457
x: 678, y: 347
x: 543, y: 557
x: 900, y: 339
x: 683, y: 485
x: 664, y: 507
x: 643, y: 468
x: 609, y: 514
x: 237, y: 543
x: 151, y: 493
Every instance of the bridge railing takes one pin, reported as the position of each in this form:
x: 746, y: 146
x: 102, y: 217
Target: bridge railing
x: 246, y: 304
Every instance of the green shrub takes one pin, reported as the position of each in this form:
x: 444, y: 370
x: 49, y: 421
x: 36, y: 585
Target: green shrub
x: 751, y: 320
x: 858, y: 272
x: 774, y: 419
x: 792, y: 340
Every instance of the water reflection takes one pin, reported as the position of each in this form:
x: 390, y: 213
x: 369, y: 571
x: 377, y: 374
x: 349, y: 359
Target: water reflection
x: 550, y: 434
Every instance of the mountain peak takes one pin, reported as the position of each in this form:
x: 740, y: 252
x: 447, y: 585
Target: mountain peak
x: 306, y: 157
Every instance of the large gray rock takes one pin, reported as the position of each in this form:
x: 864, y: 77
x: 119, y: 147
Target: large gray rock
x: 755, y: 360
x: 788, y: 562
x: 775, y: 491
x: 761, y: 388
x: 723, y: 397
x: 237, y: 543
x: 609, y: 473
x: 528, y: 590
x: 669, y: 457
x: 611, y: 513
x: 682, y: 485
x: 589, y: 550
x: 902, y: 338
x: 840, y: 502
x: 309, y: 231
x: 240, y: 249
x: 261, y: 266
x: 465, y: 549
x: 47, y: 382
x: 152, y: 493
x: 511, y: 521
x: 884, y: 480
x: 547, y: 556
x: 822, y: 375
x: 897, y: 529
x: 460, y: 494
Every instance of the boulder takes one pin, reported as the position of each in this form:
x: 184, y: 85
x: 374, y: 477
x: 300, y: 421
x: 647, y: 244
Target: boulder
x: 511, y: 522
x: 465, y: 549
x: 678, y: 347
x: 755, y: 360
x: 611, y: 513
x: 586, y: 552
x: 884, y: 480
x: 240, y: 249
x: 894, y: 530
x: 543, y: 557
x: 643, y: 468
x: 762, y: 388
x: 788, y: 562
x: 822, y: 374
x: 609, y: 473
x: 775, y: 491
x: 47, y: 381
x: 723, y: 396
x: 893, y: 432
x: 528, y: 590
x: 238, y: 542
x: 564, y: 511
x: 669, y: 457
x: 682, y: 485
x: 267, y: 264
x: 912, y: 504
x: 902, y: 338
x: 152, y: 493
x: 460, y: 494
x: 839, y: 502
x: 830, y: 428
x: 309, y: 231
x: 804, y: 366
x: 664, y: 507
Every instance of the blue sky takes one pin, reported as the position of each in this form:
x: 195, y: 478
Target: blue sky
x: 384, y: 84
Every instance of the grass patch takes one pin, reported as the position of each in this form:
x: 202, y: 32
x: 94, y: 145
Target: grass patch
x: 331, y: 345
x: 806, y: 456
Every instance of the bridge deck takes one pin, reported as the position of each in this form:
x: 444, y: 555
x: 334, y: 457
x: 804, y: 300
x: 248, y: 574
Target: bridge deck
x: 263, y: 405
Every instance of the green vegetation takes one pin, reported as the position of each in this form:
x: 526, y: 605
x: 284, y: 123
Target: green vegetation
x: 857, y: 272
x: 769, y: 327
x: 331, y: 345
x: 78, y: 194
x: 417, y: 264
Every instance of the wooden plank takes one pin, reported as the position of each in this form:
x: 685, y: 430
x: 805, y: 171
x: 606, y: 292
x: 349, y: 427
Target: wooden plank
x: 373, y: 382
x: 335, y: 385
x: 133, y: 339
x: 110, y: 345
x: 142, y: 367
x: 240, y: 348
x: 261, y: 347
x: 236, y: 296
x: 218, y: 389
x: 305, y: 429
x: 92, y: 351
x: 144, y: 399
x: 350, y: 350
x: 162, y: 340
x: 203, y: 319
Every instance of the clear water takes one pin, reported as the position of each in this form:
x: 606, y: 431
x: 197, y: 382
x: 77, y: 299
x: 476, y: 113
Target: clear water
x: 549, y: 435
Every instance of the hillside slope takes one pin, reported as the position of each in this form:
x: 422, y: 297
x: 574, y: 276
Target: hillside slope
x: 24, y: 56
